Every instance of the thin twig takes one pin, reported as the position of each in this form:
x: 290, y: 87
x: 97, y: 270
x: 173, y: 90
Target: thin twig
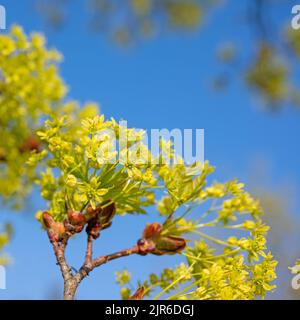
x: 59, y: 250
x: 104, y: 259
x: 89, y: 252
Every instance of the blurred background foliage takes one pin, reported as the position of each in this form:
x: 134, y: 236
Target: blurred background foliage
x: 266, y: 69
x: 130, y: 20
x: 31, y: 90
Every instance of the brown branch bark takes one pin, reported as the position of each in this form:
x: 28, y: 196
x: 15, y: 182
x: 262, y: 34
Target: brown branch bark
x: 71, y: 282
x: 89, y: 252
x: 59, y: 250
x: 70, y: 285
x: 104, y: 259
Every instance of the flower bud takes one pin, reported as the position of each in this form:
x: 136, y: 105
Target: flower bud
x: 154, y: 242
x: 47, y: 219
x: 2, y: 154
x: 152, y: 231
x: 92, y: 213
x: 76, y: 218
x: 56, y: 230
x: 59, y: 229
x: 145, y: 246
x: 53, y: 236
x: 32, y: 143
x: 71, y: 181
x: 99, y: 219
x: 93, y: 228
x: 106, y: 215
x: 169, y: 245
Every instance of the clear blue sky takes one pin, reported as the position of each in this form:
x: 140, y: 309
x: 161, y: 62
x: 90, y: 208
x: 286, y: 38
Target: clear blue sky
x: 162, y: 83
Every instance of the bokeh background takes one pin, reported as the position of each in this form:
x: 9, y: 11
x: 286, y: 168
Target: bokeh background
x: 203, y: 66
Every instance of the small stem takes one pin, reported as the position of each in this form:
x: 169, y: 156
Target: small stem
x: 170, y: 286
x: 59, y: 250
x: 71, y: 282
x: 104, y: 259
x: 89, y: 252
x: 215, y: 240
x: 84, y: 270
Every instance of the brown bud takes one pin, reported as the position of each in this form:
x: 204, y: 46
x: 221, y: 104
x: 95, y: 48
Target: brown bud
x: 152, y: 231
x: 32, y: 143
x: 56, y: 230
x: 139, y: 294
x: 2, y: 154
x: 169, y: 245
x: 99, y: 219
x: 59, y: 228
x: 106, y: 215
x: 93, y: 229
x: 92, y: 213
x: 76, y: 218
x: 78, y: 228
x: 47, y: 219
x: 52, y: 235
x: 145, y: 246
x: 156, y: 243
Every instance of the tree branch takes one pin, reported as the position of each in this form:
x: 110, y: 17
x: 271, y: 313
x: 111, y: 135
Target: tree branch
x: 124, y: 253
x: 84, y: 271
x: 72, y: 281
x: 59, y: 250
x: 89, y: 253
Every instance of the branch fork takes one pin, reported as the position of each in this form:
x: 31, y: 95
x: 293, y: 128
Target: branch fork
x: 153, y: 241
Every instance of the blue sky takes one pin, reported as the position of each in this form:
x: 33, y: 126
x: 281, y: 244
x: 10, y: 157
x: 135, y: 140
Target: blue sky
x: 162, y: 83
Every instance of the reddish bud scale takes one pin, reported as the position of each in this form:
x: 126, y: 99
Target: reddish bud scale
x: 52, y: 236
x: 139, y: 294
x: 169, y: 245
x: 99, y: 219
x: 153, y: 242
x: 56, y: 230
x: 32, y: 143
x: 93, y: 228
x: 47, y: 219
x: 92, y: 213
x: 145, y: 246
x: 2, y: 154
x: 76, y: 218
x: 152, y: 231
x: 107, y: 214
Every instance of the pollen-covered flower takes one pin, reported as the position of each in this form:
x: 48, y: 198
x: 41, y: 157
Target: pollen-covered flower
x: 71, y: 181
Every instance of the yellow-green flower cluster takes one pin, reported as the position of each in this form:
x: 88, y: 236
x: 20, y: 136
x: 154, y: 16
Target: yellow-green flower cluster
x: 237, y: 266
x: 31, y: 90
x: 214, y: 278
x: 218, y: 266
x: 85, y: 174
x: 183, y: 184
